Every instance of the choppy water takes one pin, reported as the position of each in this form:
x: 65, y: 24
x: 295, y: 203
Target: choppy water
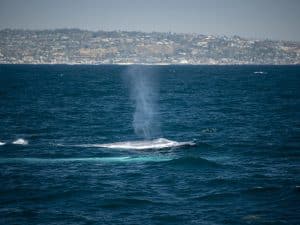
x: 244, y: 168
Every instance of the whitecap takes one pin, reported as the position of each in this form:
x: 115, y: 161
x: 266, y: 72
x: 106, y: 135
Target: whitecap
x: 260, y: 72
x: 2, y: 143
x: 209, y: 130
x: 258, y: 187
x: 159, y: 143
x: 20, y: 141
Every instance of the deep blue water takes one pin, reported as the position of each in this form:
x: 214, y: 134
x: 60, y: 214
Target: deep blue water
x: 243, y: 170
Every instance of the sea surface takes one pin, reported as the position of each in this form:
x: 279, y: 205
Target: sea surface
x: 56, y: 122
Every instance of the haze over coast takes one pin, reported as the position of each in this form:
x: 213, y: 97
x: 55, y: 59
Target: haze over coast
x: 75, y: 46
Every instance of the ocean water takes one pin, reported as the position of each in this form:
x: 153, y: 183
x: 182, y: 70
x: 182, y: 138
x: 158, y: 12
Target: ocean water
x: 220, y: 144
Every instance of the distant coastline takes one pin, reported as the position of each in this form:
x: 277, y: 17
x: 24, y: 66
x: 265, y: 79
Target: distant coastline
x: 82, y: 47
x: 143, y: 64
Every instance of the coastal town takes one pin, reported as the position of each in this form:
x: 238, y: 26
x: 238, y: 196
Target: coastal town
x: 74, y: 46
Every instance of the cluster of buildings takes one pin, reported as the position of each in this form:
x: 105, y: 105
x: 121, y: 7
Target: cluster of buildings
x: 74, y: 46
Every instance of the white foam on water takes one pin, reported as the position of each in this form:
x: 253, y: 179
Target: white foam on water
x: 159, y: 143
x: 258, y: 187
x: 20, y: 141
x: 2, y: 143
x: 260, y: 72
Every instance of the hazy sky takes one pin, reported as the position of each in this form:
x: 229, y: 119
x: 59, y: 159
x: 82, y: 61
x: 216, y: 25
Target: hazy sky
x: 274, y: 19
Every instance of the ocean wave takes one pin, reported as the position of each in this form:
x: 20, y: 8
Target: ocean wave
x: 20, y: 141
x: 124, y: 202
x: 260, y: 189
x: 215, y: 196
x: 2, y: 143
x: 88, y: 159
x: 193, y: 162
x: 159, y: 143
